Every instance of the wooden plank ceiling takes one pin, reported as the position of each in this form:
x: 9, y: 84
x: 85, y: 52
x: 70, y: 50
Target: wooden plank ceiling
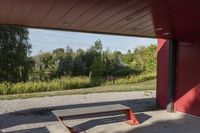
x: 147, y: 18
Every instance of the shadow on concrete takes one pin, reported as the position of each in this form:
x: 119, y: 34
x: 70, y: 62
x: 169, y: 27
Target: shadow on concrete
x: 39, y: 115
x: 185, y: 124
x: 103, y: 121
x: 32, y: 130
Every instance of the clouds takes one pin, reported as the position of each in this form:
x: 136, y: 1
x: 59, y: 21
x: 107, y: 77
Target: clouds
x: 47, y: 40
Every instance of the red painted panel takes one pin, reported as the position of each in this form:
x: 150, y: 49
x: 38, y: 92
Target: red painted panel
x: 162, y: 73
x: 187, y: 93
x: 188, y: 78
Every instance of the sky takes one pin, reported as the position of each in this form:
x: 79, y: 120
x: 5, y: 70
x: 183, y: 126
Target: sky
x: 47, y: 40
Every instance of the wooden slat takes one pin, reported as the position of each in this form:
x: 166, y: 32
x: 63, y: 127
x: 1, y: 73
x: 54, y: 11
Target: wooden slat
x: 79, y: 9
x: 122, y: 15
x: 5, y: 10
x: 134, y: 24
x: 105, y: 16
x: 61, y: 8
x: 136, y: 18
x: 97, y: 9
x: 116, y: 8
x: 147, y: 29
x: 89, y: 110
x: 39, y: 11
x: 142, y: 28
x: 20, y: 11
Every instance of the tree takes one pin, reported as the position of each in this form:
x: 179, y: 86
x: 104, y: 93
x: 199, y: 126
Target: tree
x: 98, y: 46
x: 145, y: 58
x: 58, y: 51
x: 64, y: 66
x: 97, y: 68
x: 44, y: 67
x: 128, y: 57
x: 78, y: 63
x: 14, y: 51
x: 95, y: 51
x: 94, y: 62
x: 69, y: 50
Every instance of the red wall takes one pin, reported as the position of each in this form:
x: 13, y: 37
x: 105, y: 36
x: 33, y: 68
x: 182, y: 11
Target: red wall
x: 187, y: 84
x: 162, y: 73
x: 188, y: 78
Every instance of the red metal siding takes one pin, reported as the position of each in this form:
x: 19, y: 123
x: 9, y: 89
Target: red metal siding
x: 188, y: 78
x: 162, y: 73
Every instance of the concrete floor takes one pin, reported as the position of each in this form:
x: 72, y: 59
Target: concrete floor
x: 151, y: 122
x: 34, y: 116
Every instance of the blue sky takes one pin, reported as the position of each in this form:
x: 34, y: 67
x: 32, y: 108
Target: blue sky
x: 47, y: 40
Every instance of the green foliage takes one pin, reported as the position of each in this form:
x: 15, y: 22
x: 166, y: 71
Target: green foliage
x: 14, y: 51
x: 5, y: 88
x: 79, y: 66
x: 144, y: 58
x: 125, y: 71
x: 145, y: 86
x: 44, y: 86
x: 64, y: 66
x: 67, y: 69
x: 95, y: 61
x: 134, y: 79
x: 44, y: 67
x: 97, y: 68
x: 66, y: 83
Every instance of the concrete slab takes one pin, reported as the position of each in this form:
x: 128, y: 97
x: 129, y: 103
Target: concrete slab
x: 151, y: 122
x: 34, y: 115
x: 57, y: 129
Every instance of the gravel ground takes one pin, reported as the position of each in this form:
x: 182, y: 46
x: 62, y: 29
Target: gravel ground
x: 34, y: 115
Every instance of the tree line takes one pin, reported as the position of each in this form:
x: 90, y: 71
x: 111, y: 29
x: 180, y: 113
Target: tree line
x: 17, y: 65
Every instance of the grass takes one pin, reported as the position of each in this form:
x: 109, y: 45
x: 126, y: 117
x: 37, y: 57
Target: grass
x: 142, y: 86
x: 65, y: 83
x: 134, y: 79
x: 68, y: 83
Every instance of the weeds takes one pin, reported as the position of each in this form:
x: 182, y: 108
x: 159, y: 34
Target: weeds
x: 66, y: 83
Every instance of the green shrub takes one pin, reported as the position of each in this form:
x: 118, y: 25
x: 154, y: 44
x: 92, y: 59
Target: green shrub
x: 126, y: 71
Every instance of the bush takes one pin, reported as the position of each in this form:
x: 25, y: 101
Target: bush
x: 126, y: 71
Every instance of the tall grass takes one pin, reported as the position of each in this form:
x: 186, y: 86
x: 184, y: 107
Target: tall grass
x: 133, y: 79
x: 41, y: 86
x: 66, y: 83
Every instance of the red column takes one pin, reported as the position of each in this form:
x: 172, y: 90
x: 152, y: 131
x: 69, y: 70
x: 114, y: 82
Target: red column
x: 162, y: 73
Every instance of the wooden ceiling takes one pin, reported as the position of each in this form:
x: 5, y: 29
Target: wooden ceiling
x: 147, y: 18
